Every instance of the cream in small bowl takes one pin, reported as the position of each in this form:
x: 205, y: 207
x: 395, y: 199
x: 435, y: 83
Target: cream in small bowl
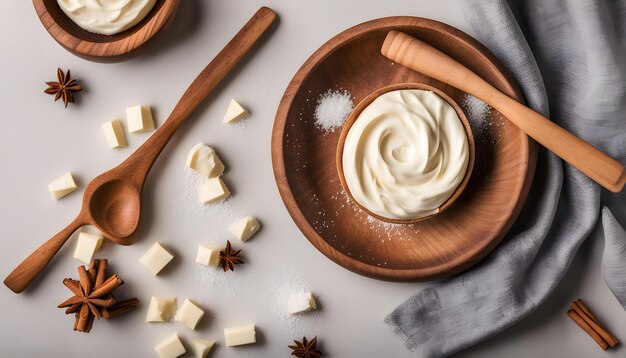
x: 106, y: 17
x: 405, y: 153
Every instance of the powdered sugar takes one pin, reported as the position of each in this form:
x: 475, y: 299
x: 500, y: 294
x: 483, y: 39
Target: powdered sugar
x: 481, y: 119
x: 215, y: 279
x: 474, y: 108
x: 194, y: 210
x: 333, y: 108
x: 241, y: 125
x: 288, y: 324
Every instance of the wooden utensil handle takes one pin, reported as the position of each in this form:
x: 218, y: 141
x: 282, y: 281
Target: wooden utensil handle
x: 207, y: 80
x: 419, y: 56
x: 32, y: 266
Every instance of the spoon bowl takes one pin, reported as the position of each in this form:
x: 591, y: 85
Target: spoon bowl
x: 115, y: 207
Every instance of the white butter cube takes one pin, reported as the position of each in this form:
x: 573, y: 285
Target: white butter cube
x: 114, y: 134
x: 86, y: 246
x: 204, y: 160
x: 161, y: 309
x: 235, y: 112
x: 62, y: 186
x: 156, y: 258
x: 301, y: 302
x: 237, y: 336
x: 201, y: 347
x: 208, y: 254
x: 213, y: 190
x: 139, y: 119
x: 189, y: 314
x: 245, y: 228
x: 170, y: 347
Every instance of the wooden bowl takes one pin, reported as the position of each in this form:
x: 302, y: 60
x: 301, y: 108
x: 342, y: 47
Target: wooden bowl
x: 356, y: 112
x: 105, y: 48
x: 304, y: 160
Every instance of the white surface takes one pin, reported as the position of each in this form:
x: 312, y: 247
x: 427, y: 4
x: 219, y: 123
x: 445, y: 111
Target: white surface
x: 351, y: 308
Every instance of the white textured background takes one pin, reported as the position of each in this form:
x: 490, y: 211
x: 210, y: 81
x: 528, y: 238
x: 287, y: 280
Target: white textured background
x: 40, y: 141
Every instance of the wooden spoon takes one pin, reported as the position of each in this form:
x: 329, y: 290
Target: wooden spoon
x: 421, y: 57
x: 111, y: 201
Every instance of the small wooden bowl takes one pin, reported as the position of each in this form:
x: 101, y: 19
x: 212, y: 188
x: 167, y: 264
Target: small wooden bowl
x: 105, y: 48
x: 366, y: 102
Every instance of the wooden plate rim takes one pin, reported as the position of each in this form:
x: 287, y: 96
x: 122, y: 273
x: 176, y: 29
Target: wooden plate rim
x: 508, y: 86
x: 114, y: 48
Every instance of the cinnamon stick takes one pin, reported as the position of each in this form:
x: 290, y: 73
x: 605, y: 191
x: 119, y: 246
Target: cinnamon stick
x: 102, y: 272
x: 126, y: 303
x: 83, y: 316
x: 585, y: 327
x: 93, y: 309
x: 70, y: 302
x: 107, y: 287
x: 593, y: 322
x: 89, y: 324
x: 587, y: 311
x: 85, y: 280
x: 93, y: 268
x: 130, y: 301
x: 99, y: 279
x: 103, y: 302
x: 121, y: 307
x: 73, y: 285
x: 77, y: 316
x: 93, y: 296
x: 73, y: 308
x: 114, y: 312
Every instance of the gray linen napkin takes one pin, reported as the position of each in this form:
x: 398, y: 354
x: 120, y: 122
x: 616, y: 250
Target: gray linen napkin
x: 569, y: 56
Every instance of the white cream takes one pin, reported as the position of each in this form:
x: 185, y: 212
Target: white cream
x: 405, y: 154
x: 107, y: 17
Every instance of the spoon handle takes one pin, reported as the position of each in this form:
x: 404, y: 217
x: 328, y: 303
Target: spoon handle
x: 32, y: 266
x: 421, y: 57
x: 143, y: 159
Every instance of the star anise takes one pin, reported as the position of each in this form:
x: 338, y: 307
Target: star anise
x: 228, y: 258
x: 306, y: 348
x: 93, y: 296
x: 64, y: 87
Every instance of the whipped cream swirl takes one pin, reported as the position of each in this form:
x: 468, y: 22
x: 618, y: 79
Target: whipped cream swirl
x: 405, y: 154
